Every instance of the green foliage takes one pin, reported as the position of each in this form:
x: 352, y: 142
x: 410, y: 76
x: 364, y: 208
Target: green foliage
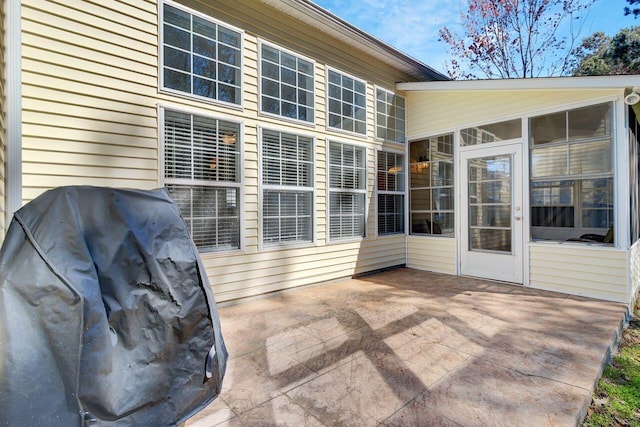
x: 617, y: 398
x: 600, y: 55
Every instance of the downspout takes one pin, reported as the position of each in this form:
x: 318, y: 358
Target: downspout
x: 13, y: 107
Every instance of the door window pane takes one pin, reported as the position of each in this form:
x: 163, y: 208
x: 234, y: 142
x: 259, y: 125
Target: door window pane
x: 489, y: 201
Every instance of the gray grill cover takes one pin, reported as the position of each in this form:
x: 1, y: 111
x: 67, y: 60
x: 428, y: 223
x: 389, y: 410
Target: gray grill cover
x: 106, y: 314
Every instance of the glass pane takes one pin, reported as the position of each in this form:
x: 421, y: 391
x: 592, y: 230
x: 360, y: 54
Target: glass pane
x: 590, y: 122
x: 421, y: 223
x: 549, y: 161
x: 204, y: 47
x: 229, y: 37
x: 177, y: 81
x: 489, y: 168
x: 420, y: 200
x: 176, y: 17
x: 549, y: 128
x: 442, y: 173
x: 442, y: 199
x: 490, y: 203
x: 204, y: 27
x: 420, y: 175
x: 176, y: 37
x: 490, y: 240
x: 490, y: 216
x: 490, y: 192
x: 443, y: 223
x: 590, y: 157
x: 177, y: 59
x: 493, y: 132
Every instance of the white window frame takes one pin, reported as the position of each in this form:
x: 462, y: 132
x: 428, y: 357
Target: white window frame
x: 262, y: 187
x: 330, y: 190
x: 404, y: 130
x: 353, y: 104
x: 402, y: 193
x: 191, y: 95
x: 162, y: 181
x: 432, y: 187
x: 614, y: 175
x: 309, y: 123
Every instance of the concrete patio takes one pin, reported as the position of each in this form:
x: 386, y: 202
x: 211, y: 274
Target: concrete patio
x: 411, y: 348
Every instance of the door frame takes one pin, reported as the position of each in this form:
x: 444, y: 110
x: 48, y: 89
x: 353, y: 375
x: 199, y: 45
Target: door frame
x: 519, y: 184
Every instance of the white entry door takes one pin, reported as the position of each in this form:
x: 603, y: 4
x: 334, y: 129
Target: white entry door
x: 492, y: 232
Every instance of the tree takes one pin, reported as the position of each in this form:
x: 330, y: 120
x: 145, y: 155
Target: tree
x: 600, y: 55
x: 635, y: 11
x: 515, y: 38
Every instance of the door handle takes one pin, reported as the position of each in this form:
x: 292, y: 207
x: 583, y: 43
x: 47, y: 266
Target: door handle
x: 517, y: 218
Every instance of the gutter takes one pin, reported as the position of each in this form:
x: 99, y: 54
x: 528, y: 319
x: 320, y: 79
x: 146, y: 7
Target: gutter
x: 531, y: 84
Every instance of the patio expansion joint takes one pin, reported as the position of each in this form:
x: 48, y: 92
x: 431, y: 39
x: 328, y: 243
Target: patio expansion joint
x: 517, y: 371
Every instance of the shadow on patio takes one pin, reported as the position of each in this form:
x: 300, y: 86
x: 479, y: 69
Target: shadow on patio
x: 408, y: 347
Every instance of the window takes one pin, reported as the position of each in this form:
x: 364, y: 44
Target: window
x: 347, y: 191
x: 572, y: 175
x: 202, y: 175
x: 286, y: 83
x: 287, y: 188
x: 431, y: 186
x: 390, y: 116
x: 492, y: 132
x: 200, y: 57
x: 390, y: 193
x: 347, y: 99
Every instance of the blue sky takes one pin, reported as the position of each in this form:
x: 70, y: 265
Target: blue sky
x: 412, y: 25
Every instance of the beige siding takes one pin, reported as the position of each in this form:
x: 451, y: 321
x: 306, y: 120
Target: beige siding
x: 634, y: 271
x: 91, y: 96
x: 435, y: 112
x: 89, y: 79
x: 588, y: 271
x: 432, y: 254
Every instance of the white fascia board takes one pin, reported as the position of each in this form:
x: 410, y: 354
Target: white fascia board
x: 325, y: 21
x: 535, y: 84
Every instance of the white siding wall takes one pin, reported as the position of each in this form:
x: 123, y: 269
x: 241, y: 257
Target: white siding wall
x: 432, y: 254
x: 588, y: 271
x: 90, y: 117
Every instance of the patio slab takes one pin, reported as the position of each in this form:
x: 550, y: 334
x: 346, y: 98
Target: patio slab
x: 412, y: 348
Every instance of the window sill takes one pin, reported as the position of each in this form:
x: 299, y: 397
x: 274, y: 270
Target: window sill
x: 200, y: 99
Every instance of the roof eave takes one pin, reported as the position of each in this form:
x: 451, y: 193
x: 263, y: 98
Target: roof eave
x: 318, y: 17
x: 543, y: 83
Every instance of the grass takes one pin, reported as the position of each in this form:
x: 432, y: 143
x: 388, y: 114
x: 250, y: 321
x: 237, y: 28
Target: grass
x: 616, y: 401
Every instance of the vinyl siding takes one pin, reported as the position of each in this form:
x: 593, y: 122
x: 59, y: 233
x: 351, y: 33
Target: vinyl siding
x: 430, y: 113
x: 588, y: 271
x: 634, y: 271
x: 432, y: 254
x: 89, y: 80
x: 90, y: 116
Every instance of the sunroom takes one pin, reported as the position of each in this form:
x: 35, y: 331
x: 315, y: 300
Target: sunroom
x: 531, y: 181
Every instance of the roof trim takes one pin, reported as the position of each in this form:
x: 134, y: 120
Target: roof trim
x: 542, y: 83
x: 325, y: 21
